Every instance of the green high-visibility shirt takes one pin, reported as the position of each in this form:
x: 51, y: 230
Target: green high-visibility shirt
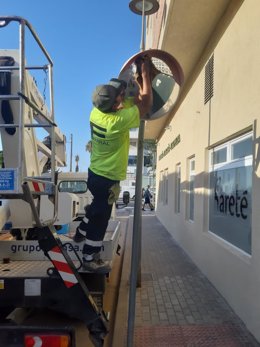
x: 110, y: 141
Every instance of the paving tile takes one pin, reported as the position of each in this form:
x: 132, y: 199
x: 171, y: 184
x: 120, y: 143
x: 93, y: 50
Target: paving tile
x: 179, y: 306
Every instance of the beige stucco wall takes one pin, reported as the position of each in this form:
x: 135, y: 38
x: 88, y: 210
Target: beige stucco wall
x: 235, y: 107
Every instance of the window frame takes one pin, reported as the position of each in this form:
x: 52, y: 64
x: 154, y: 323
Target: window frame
x: 70, y: 190
x: 230, y: 164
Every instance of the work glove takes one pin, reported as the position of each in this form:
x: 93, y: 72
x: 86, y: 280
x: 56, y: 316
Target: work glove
x: 113, y: 193
x: 153, y: 70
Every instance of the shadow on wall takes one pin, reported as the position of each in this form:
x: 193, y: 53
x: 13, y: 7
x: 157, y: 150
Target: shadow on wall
x: 222, y: 198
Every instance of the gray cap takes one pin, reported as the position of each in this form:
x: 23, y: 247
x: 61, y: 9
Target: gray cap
x: 118, y: 84
x: 104, y: 97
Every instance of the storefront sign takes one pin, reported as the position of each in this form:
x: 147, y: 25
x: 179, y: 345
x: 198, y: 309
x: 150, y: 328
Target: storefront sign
x: 230, y: 205
x: 170, y: 146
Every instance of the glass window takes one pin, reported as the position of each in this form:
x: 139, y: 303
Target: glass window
x: 230, y: 199
x: 161, y: 187
x: 147, y: 161
x: 191, y: 188
x: 133, y: 143
x: 76, y: 187
x: 219, y: 156
x: 242, y: 148
x: 132, y: 160
x: 166, y: 187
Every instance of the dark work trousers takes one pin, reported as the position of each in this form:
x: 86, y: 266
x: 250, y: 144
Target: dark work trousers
x: 97, y: 213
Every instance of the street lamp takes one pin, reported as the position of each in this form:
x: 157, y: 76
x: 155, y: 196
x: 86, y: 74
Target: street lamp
x: 150, y: 6
x: 143, y: 7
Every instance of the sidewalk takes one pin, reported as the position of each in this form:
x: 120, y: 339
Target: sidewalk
x: 176, y: 304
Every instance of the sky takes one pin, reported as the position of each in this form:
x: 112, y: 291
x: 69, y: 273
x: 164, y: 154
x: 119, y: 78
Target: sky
x: 88, y: 41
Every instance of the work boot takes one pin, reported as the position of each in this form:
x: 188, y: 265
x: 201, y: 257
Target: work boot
x: 96, y: 265
x: 78, y: 237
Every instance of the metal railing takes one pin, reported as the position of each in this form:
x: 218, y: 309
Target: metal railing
x: 47, y: 121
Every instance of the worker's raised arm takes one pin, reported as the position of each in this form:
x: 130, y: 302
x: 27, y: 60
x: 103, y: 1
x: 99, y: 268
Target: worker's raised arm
x: 144, y: 100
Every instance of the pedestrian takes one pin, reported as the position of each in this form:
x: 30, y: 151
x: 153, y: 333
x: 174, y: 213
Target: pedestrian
x: 147, y: 199
x: 110, y: 124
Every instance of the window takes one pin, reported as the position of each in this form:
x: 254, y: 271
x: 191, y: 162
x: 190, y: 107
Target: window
x: 166, y: 187
x: 231, y: 191
x: 76, y: 187
x: 178, y: 189
x: 241, y: 148
x: 163, y: 187
x: 132, y: 160
x: 219, y: 156
x: 147, y: 161
x: 133, y: 143
x: 191, y: 189
x: 232, y: 152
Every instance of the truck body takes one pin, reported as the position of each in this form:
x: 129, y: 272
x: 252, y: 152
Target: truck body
x: 44, y: 292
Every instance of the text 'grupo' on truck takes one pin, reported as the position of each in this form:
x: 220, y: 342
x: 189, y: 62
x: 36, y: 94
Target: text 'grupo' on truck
x: 40, y: 266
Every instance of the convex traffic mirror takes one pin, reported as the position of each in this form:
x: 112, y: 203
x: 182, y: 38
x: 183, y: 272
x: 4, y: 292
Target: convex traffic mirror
x: 166, y: 82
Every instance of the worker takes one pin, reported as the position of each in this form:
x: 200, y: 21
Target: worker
x: 110, y: 123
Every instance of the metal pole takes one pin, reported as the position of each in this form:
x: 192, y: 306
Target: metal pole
x: 53, y: 139
x: 71, y: 144
x: 143, y: 26
x: 135, y: 275
x: 21, y: 102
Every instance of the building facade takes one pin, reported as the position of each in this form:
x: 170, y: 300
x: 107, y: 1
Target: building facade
x: 207, y: 172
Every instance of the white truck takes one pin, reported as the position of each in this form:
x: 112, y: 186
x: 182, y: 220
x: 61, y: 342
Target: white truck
x: 40, y: 266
